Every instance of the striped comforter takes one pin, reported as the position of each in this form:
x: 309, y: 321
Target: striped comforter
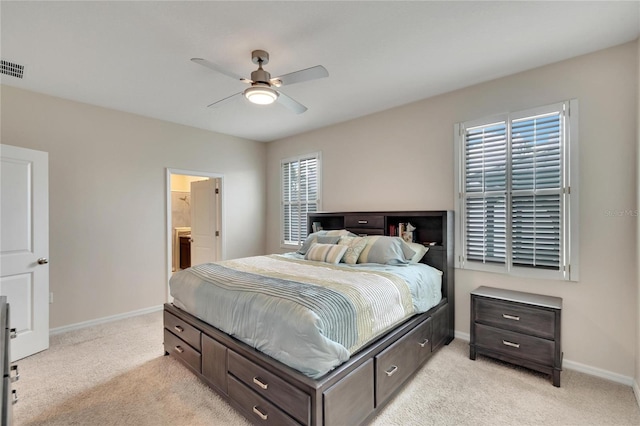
x: 309, y: 315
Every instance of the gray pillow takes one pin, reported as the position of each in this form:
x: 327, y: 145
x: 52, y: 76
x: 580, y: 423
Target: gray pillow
x: 328, y: 239
x: 386, y: 250
x: 313, y: 238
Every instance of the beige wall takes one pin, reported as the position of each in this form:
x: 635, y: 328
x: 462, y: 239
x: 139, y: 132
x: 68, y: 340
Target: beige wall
x: 402, y: 159
x: 107, y: 186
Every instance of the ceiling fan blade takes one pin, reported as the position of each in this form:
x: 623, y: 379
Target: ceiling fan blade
x: 299, y: 76
x: 223, y: 101
x: 219, y: 69
x: 290, y: 103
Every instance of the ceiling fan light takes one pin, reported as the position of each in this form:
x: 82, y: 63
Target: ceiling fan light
x: 261, y: 95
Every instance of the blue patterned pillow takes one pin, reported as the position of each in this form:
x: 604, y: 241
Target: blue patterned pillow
x: 354, y: 245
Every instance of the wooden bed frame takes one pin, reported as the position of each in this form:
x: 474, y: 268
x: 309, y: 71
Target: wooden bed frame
x: 269, y: 392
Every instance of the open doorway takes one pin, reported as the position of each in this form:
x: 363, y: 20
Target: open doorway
x: 194, y: 219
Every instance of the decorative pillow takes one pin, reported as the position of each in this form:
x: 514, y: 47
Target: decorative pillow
x: 313, y: 238
x: 330, y: 253
x: 386, y: 250
x: 420, y: 250
x: 354, y: 245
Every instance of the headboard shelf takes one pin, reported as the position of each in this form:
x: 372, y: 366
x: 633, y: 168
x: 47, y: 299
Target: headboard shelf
x: 431, y: 226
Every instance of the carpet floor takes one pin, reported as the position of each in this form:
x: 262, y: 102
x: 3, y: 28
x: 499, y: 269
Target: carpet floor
x: 116, y: 374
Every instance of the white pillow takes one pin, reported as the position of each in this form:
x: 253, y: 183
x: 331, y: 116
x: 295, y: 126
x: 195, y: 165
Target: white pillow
x: 420, y: 250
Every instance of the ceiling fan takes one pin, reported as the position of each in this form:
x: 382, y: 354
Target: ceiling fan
x: 262, y: 90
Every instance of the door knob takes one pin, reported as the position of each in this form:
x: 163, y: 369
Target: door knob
x: 43, y: 261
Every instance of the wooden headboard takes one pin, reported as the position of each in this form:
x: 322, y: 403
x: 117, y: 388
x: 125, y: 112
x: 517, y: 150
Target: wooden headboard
x: 432, y: 227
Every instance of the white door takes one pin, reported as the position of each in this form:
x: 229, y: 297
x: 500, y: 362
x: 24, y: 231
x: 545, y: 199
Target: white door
x: 204, y: 221
x: 24, y: 246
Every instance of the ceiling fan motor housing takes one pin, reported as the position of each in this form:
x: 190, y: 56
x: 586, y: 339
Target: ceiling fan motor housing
x: 260, y: 57
x: 261, y: 76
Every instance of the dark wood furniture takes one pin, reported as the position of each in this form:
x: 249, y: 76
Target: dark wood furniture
x: 269, y: 392
x: 185, y: 251
x: 520, y: 328
x: 9, y: 396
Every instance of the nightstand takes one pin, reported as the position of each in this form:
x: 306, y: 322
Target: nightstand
x: 516, y: 327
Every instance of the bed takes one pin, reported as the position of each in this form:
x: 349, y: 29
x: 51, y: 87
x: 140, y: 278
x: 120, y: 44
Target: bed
x: 301, y: 338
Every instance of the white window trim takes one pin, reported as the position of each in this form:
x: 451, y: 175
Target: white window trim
x: 570, y: 267
x: 318, y: 156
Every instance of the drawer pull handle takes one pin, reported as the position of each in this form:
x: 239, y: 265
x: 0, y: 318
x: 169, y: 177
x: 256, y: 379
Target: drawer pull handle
x: 422, y: 345
x: 13, y: 333
x: 17, y: 375
x: 259, y: 413
x: 511, y: 317
x: 178, y: 329
x: 513, y: 345
x: 179, y: 349
x: 363, y: 222
x: 260, y: 383
x: 390, y: 372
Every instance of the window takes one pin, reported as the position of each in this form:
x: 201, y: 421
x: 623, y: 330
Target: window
x: 300, y: 195
x: 517, y: 194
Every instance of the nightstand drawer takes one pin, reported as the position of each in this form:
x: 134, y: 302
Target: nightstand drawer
x: 516, y: 317
x: 515, y: 344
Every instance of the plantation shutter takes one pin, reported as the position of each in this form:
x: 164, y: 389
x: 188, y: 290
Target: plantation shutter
x: 515, y: 192
x: 536, y: 150
x: 300, y: 196
x: 485, y: 187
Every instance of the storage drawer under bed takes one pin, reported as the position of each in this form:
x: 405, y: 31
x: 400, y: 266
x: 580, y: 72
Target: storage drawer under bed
x: 257, y: 407
x: 399, y: 361
x: 182, y: 351
x: 271, y: 387
x: 184, y: 331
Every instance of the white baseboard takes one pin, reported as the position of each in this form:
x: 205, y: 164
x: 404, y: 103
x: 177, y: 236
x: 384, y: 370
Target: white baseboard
x: 103, y: 320
x: 598, y: 372
x: 587, y: 369
x: 462, y: 336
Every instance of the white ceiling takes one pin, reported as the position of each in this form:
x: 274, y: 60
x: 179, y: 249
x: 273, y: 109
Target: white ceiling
x: 134, y: 56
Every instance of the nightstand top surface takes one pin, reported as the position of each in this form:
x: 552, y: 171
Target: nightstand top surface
x: 519, y: 297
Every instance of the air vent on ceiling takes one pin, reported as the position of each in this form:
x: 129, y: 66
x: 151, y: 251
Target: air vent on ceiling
x: 11, y: 68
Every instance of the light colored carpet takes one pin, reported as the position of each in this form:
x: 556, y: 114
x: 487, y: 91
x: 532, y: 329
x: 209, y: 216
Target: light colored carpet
x: 116, y: 374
